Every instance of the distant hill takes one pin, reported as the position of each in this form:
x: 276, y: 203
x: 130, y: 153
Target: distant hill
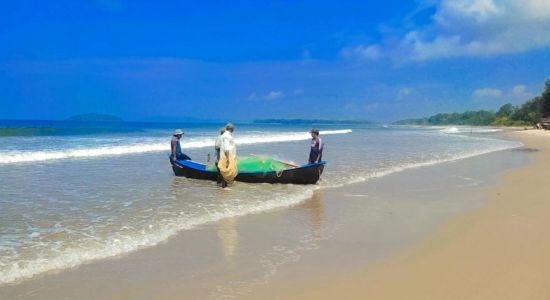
x: 310, y: 121
x: 95, y: 118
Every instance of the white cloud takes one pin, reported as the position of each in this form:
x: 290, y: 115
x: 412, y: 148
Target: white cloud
x: 372, y: 52
x: 477, y: 10
x: 252, y: 96
x: 517, y: 93
x: 272, y: 95
x: 520, y: 93
x: 487, y: 93
x: 469, y: 28
x: 520, y: 90
x: 403, y: 92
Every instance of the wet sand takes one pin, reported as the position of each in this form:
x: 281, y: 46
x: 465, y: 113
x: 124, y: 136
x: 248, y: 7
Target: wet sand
x: 499, y: 251
x: 322, y: 248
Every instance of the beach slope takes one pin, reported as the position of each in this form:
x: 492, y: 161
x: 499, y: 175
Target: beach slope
x: 500, y: 251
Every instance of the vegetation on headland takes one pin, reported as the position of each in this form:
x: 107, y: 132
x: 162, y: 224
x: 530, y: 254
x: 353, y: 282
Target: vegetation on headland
x: 95, y: 118
x: 309, y: 121
x: 526, y: 114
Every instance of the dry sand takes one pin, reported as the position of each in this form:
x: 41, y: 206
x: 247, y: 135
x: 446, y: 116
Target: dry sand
x: 500, y: 251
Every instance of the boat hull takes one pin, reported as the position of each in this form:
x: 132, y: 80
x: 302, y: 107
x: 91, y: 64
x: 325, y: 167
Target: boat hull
x: 306, y: 174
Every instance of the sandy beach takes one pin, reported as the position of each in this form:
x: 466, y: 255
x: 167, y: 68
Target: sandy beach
x: 499, y: 251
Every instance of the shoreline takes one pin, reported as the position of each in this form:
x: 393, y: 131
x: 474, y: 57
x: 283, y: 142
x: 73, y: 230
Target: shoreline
x: 235, y: 256
x: 497, y: 251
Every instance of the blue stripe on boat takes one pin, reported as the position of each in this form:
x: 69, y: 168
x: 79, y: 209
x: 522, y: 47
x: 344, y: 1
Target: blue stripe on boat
x: 202, y: 167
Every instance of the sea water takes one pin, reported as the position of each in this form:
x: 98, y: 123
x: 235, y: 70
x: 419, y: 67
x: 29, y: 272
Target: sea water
x: 71, y: 193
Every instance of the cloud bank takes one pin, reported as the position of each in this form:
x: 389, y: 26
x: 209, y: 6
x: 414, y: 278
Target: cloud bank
x: 468, y: 28
x: 272, y: 95
x: 482, y: 28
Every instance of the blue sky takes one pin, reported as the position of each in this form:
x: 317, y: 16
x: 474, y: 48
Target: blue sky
x: 241, y: 60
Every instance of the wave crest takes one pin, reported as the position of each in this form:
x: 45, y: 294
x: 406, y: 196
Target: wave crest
x: 10, y: 157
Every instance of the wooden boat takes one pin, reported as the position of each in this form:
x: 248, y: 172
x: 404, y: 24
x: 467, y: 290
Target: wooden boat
x: 305, y: 174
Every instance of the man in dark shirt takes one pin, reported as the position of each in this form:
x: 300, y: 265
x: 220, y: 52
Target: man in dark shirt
x: 316, y: 151
x: 176, y: 146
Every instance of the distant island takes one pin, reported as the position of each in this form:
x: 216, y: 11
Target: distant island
x: 95, y: 118
x: 526, y: 114
x: 309, y: 121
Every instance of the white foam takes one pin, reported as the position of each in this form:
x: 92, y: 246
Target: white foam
x: 9, y: 157
x: 431, y: 162
x: 487, y: 130
x: 452, y: 130
x: 72, y: 257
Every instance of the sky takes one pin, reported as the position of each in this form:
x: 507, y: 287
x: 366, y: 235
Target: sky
x: 243, y: 60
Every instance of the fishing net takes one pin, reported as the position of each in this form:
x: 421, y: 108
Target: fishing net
x: 256, y: 164
x: 259, y: 164
x: 227, y: 167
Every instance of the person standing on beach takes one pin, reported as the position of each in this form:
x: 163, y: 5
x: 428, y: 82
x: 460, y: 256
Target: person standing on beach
x: 227, y: 164
x: 217, y: 147
x: 218, y: 144
x: 316, y: 151
x: 176, y: 146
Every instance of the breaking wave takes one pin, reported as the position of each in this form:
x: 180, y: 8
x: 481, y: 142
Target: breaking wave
x: 162, y: 144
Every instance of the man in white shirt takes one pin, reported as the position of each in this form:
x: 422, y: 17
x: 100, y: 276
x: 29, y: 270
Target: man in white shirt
x: 227, y: 143
x: 227, y: 168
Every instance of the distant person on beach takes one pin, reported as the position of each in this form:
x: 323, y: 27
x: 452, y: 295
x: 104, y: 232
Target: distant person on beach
x: 176, y: 146
x: 316, y: 151
x: 227, y: 164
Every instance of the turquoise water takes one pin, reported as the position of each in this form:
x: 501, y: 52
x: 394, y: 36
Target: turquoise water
x: 78, y: 193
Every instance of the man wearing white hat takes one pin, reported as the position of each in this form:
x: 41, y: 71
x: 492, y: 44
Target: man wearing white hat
x: 176, y: 146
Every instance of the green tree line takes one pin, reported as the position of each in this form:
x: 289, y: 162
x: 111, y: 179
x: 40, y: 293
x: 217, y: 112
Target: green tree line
x: 526, y: 114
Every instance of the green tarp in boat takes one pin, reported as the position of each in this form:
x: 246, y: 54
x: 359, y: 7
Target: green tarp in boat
x: 248, y: 164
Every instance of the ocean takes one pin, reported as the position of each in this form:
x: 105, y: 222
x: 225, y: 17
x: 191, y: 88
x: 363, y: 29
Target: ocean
x: 73, y: 192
